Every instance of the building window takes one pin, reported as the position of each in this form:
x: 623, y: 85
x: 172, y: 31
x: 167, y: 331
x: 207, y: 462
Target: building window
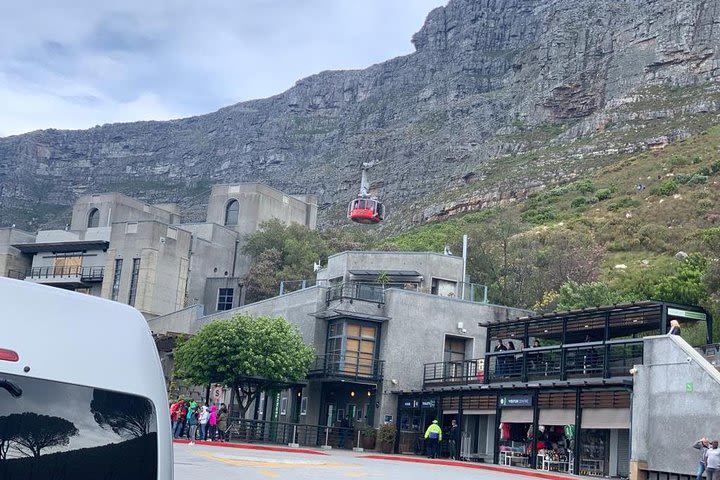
x: 232, y: 212
x: 351, y: 347
x: 134, y: 281
x: 225, y: 299
x: 116, y: 279
x: 93, y: 218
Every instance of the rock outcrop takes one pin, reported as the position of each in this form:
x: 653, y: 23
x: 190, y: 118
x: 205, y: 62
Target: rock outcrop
x: 500, y: 96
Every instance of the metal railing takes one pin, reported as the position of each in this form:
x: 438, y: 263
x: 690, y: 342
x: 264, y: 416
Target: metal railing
x: 351, y: 365
x: 369, y: 292
x: 86, y: 274
x: 587, y: 360
x: 454, y: 373
x: 711, y: 353
x: 283, y: 433
x: 16, y: 274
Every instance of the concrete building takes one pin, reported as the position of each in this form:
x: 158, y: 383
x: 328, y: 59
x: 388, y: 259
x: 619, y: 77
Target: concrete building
x: 370, y: 317
x: 122, y: 249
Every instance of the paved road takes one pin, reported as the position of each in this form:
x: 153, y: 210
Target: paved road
x: 198, y: 461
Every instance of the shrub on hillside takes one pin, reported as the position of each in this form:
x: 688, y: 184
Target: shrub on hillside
x: 603, y: 194
x: 666, y: 188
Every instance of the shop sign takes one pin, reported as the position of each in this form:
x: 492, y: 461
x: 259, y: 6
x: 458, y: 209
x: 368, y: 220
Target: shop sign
x: 676, y: 312
x: 516, y: 401
x: 428, y: 403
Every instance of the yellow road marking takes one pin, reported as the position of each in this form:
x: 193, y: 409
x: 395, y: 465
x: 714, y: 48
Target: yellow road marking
x: 270, y: 474
x: 270, y: 464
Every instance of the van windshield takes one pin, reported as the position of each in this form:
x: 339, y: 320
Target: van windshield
x: 52, y: 430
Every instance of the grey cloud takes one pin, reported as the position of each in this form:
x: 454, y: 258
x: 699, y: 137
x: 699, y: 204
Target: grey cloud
x: 81, y: 62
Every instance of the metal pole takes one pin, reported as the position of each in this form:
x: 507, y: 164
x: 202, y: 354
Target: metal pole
x: 485, y: 289
x: 465, y: 243
x: 358, y: 441
x: 282, y: 287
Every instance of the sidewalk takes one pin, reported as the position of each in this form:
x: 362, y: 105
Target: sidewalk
x: 477, y: 466
x: 252, y: 446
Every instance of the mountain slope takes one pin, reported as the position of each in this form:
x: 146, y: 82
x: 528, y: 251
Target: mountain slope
x: 500, y: 99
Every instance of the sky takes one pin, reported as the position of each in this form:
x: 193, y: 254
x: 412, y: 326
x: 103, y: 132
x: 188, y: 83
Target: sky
x: 80, y: 63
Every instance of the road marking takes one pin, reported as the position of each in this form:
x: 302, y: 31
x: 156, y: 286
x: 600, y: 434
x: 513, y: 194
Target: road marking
x: 274, y: 463
x: 268, y: 473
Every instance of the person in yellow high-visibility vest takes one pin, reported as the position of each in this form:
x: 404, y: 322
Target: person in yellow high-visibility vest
x: 433, y: 436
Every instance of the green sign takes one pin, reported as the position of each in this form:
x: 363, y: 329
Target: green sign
x: 676, y: 312
x: 689, y: 387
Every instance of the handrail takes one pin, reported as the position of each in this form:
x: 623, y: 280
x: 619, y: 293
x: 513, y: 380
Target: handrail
x: 369, y: 292
x: 86, y: 273
x: 358, y: 366
x: 267, y: 431
x: 585, y: 360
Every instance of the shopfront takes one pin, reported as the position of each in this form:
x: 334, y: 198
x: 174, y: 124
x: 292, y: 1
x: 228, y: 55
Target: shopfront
x: 416, y: 413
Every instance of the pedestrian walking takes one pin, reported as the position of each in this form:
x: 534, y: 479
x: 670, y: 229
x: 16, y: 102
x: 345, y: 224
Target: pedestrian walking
x: 203, y: 419
x: 222, y: 422
x: 454, y: 440
x: 703, y: 444
x: 433, y: 436
x: 712, y: 462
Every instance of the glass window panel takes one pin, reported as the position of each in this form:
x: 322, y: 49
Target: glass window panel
x: 95, y: 433
x: 353, y: 330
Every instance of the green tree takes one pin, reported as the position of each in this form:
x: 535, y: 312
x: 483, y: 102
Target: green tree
x: 249, y: 355
x: 281, y: 252
x: 575, y: 295
x: 688, y: 285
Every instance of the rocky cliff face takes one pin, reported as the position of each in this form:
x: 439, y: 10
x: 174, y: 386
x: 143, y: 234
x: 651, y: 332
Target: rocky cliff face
x: 500, y: 98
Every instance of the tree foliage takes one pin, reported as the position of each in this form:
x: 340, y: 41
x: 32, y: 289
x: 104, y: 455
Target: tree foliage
x: 574, y: 295
x: 287, y: 253
x: 248, y: 355
x: 126, y: 415
x: 687, y: 286
x: 31, y: 432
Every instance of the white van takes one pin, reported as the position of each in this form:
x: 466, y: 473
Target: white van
x: 82, y: 394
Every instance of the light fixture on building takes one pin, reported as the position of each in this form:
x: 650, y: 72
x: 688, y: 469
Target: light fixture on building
x: 369, y: 393
x: 352, y: 393
x: 299, y: 394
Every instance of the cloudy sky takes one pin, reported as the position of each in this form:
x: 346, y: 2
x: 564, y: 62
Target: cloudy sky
x: 80, y: 63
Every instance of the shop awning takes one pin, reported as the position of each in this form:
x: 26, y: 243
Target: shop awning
x: 606, y: 418
x: 557, y: 416
x: 517, y: 415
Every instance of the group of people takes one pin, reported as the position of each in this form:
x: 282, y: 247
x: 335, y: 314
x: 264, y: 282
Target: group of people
x: 198, y: 422
x: 508, y: 365
x: 434, y: 435
x: 709, y: 459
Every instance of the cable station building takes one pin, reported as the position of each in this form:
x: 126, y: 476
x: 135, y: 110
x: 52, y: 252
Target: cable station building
x: 561, y: 400
x: 119, y: 248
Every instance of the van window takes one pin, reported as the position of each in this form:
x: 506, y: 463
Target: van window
x: 52, y: 430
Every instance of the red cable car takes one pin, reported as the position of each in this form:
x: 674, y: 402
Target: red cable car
x: 365, y: 209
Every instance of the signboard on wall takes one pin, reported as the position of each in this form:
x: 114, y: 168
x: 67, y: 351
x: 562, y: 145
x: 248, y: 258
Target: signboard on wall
x: 516, y: 401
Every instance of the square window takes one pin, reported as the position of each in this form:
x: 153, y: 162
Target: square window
x: 225, y: 299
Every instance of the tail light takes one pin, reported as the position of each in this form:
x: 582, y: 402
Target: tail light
x: 8, y: 355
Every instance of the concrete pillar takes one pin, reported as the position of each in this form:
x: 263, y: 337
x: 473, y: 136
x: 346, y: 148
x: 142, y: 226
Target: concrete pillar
x: 638, y: 470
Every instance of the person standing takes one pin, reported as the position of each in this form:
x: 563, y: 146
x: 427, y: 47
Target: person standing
x: 222, y: 422
x: 433, y: 436
x: 712, y: 462
x: 175, y: 414
x: 674, y: 328
x: 192, y: 421
x: 454, y: 440
x: 344, y: 429
x: 701, y: 445
x: 203, y: 419
x: 212, y: 423
x: 500, y: 360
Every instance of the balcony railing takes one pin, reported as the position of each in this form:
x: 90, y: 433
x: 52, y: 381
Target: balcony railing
x: 368, y: 292
x: 16, y: 274
x: 85, y: 274
x: 587, y: 360
x: 357, y: 366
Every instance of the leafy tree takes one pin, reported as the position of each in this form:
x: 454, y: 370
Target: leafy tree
x: 281, y: 252
x: 126, y: 415
x: 575, y: 295
x: 249, y: 355
x: 687, y: 286
x: 32, y: 432
x: 8, y: 430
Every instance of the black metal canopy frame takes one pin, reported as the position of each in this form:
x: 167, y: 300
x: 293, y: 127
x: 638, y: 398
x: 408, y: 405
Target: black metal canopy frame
x: 599, y: 323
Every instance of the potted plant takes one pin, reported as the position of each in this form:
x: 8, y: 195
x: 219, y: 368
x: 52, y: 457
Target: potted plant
x: 383, y: 279
x: 367, y: 437
x: 386, y: 437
